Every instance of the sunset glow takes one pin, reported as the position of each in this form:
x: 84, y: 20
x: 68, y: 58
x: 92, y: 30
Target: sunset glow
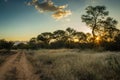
x: 98, y: 39
x: 76, y: 40
x: 24, y: 19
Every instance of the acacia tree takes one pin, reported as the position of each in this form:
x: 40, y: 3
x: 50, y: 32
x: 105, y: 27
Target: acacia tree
x: 93, y: 17
x: 80, y: 36
x: 70, y: 33
x: 45, y: 37
x: 59, y: 34
x: 110, y: 29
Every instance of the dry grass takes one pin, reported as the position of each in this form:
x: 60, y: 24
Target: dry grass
x: 71, y: 64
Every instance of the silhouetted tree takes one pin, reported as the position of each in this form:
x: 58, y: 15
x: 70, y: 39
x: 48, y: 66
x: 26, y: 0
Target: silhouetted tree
x: 70, y: 31
x: 70, y: 34
x: 93, y: 17
x: 117, y: 42
x: 110, y: 30
x: 89, y: 38
x: 80, y: 36
x: 45, y: 37
x: 33, y: 40
x: 59, y: 34
x: 32, y: 43
x: 22, y: 46
x: 6, y: 44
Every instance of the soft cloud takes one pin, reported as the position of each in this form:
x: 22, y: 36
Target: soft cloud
x: 61, y: 14
x: 68, y: 19
x: 48, y: 6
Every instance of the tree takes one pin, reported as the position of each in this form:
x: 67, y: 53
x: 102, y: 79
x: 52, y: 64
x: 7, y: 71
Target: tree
x: 6, y: 44
x: 59, y: 34
x: 89, y: 37
x: 33, y: 40
x: 70, y: 31
x: 70, y: 34
x: 22, y: 46
x: 93, y: 17
x: 33, y: 43
x: 80, y: 36
x: 45, y: 37
x: 110, y: 29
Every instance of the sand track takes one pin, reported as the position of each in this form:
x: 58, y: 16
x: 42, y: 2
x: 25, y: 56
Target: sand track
x: 17, y: 67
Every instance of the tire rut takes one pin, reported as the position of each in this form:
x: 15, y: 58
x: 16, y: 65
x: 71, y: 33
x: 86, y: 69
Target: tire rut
x: 26, y: 71
x: 18, y: 67
x: 7, y: 65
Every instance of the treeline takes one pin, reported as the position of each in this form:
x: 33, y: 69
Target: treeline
x: 8, y: 45
x: 69, y: 38
x: 104, y: 34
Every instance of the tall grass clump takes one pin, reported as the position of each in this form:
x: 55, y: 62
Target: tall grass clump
x: 75, y: 65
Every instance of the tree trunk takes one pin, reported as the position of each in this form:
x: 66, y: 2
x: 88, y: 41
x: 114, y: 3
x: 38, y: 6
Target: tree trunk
x: 94, y: 26
x: 93, y: 33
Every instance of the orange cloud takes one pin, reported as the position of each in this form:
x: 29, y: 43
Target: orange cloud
x: 61, y: 14
x: 48, y: 6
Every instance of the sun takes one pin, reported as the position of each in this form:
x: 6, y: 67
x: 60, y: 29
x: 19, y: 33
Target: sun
x: 76, y: 40
x: 98, y: 39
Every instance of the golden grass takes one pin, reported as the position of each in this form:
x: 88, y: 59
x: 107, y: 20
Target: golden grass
x: 70, y: 64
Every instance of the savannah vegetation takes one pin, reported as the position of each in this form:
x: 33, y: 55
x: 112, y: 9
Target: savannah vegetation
x: 74, y: 64
x: 67, y: 54
x: 104, y: 35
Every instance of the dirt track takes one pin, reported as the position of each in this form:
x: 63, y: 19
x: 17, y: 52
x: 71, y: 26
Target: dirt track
x: 17, y: 67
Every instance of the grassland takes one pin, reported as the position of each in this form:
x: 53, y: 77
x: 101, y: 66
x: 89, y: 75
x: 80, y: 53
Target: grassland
x: 60, y: 64
x: 71, y: 64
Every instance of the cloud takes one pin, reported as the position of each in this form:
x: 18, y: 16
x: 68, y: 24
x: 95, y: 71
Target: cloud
x: 59, y: 12
x: 62, y: 13
x: 68, y: 19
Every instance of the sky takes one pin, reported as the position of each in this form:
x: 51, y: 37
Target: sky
x: 24, y: 19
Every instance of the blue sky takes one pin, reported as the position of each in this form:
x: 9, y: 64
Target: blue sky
x: 18, y: 21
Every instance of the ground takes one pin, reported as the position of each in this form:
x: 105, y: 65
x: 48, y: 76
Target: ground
x: 61, y: 64
x: 17, y: 67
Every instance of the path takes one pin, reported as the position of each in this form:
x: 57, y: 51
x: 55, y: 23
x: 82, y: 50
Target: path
x: 17, y: 67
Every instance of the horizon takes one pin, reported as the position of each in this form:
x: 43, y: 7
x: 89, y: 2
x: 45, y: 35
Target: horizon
x: 20, y: 20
